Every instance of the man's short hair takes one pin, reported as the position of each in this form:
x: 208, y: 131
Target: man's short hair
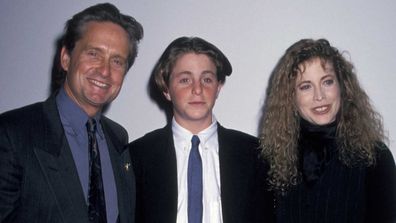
x: 106, y: 12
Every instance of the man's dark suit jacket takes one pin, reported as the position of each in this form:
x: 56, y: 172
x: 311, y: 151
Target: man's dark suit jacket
x: 38, y: 179
x: 154, y: 161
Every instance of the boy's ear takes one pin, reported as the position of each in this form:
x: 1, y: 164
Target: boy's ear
x: 167, y: 95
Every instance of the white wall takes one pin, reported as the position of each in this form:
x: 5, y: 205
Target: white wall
x: 253, y: 34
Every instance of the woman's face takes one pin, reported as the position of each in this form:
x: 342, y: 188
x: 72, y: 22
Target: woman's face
x: 317, y: 92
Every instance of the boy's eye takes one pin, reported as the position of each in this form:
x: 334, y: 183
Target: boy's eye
x: 207, y: 80
x: 329, y: 82
x: 184, y: 80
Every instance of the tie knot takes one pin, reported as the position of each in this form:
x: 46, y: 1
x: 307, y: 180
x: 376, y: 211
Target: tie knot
x: 195, y: 141
x: 91, y: 125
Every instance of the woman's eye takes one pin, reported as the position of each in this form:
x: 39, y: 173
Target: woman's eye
x: 304, y: 87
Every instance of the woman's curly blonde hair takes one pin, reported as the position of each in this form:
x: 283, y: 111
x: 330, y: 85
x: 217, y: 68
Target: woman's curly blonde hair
x: 359, y: 126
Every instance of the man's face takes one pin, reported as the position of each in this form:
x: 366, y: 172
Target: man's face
x: 97, y: 65
x: 193, y: 89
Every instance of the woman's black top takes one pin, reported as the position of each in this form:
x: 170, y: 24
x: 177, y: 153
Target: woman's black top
x: 332, y: 192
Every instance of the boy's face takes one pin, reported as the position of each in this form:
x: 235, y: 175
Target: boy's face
x: 193, y: 90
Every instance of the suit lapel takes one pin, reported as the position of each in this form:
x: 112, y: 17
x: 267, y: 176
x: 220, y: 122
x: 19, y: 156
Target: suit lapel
x: 168, y: 173
x: 164, y: 171
x: 229, y: 165
x: 225, y: 178
x: 123, y: 173
x: 238, y: 161
x: 57, y: 164
x: 171, y: 167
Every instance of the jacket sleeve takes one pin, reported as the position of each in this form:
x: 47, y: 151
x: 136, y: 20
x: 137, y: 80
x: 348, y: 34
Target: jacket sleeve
x: 10, y: 176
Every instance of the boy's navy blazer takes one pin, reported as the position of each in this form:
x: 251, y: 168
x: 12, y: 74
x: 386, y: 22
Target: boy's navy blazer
x: 154, y: 161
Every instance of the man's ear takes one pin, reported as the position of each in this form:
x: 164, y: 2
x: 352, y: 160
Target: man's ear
x: 65, y: 59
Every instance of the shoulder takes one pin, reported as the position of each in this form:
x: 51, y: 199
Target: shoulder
x: 384, y: 168
x: 152, y: 145
x: 236, y: 142
x: 113, y: 127
x: 32, y: 114
x: 383, y: 155
x: 151, y: 138
x: 236, y: 136
x: 23, y: 128
x: 112, y: 124
x: 21, y: 116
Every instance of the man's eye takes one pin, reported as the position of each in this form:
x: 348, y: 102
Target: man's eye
x: 92, y: 53
x: 118, y: 62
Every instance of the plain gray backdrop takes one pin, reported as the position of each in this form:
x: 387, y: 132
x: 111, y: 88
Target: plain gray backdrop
x: 253, y: 34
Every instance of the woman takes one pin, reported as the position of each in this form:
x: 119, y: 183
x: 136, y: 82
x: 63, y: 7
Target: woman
x: 324, y: 141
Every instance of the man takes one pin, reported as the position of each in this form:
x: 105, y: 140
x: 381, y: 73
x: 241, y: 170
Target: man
x: 193, y: 169
x: 61, y: 160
